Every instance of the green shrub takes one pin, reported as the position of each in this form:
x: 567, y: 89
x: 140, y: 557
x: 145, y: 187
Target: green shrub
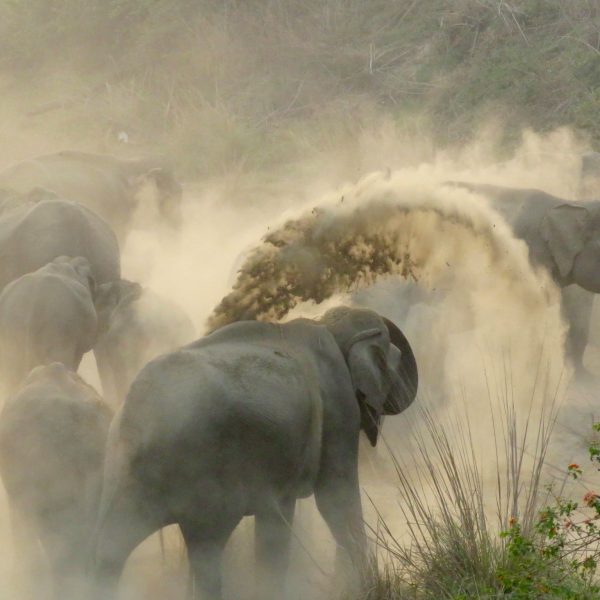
x: 550, y: 550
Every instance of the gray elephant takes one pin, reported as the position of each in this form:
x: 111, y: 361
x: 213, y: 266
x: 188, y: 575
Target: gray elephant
x: 564, y: 238
x: 37, y: 229
x: 590, y: 176
x: 135, y: 325
x: 243, y: 422
x: 113, y: 188
x: 47, y: 316
x: 52, y: 437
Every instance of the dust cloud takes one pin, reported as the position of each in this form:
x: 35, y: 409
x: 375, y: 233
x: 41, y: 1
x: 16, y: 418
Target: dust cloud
x: 392, y: 236
x: 306, y: 193
x: 485, y: 326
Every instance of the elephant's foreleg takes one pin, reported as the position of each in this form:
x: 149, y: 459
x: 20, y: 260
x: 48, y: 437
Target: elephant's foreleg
x: 205, y: 541
x: 273, y: 530
x: 338, y: 501
x: 577, y: 305
x: 122, y: 528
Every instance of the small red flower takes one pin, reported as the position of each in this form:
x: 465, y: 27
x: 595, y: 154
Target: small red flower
x: 574, y: 466
x: 591, y: 499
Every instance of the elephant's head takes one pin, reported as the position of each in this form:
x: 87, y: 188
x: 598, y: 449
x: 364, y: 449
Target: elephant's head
x: 572, y: 234
x: 159, y: 180
x: 79, y: 268
x: 380, y: 360
x: 112, y: 294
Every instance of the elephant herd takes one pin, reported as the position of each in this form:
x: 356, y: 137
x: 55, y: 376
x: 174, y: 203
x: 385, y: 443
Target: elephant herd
x: 242, y: 422
x: 61, y: 295
x: 202, y: 437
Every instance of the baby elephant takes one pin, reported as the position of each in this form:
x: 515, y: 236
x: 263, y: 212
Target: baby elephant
x: 243, y: 422
x: 46, y: 316
x: 135, y: 325
x: 52, y: 437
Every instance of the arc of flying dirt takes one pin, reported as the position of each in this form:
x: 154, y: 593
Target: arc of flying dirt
x: 330, y: 250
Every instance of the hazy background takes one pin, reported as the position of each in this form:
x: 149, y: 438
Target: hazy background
x: 268, y: 108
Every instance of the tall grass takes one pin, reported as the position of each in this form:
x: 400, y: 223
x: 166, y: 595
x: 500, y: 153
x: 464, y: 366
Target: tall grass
x: 452, y: 547
x: 231, y: 84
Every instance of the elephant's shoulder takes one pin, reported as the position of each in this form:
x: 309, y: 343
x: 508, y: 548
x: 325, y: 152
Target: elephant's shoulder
x: 240, y: 332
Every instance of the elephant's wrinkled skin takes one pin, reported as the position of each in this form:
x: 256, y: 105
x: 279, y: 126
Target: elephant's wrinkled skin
x: 135, y: 325
x: 564, y: 238
x: 111, y: 187
x: 33, y: 233
x: 243, y: 422
x: 52, y: 438
x: 46, y: 316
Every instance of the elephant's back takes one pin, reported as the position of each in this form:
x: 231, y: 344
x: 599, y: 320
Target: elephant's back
x: 35, y: 234
x: 250, y: 413
x: 45, y: 287
x: 43, y: 313
x: 218, y: 380
x: 52, y: 438
x: 513, y: 203
x: 523, y: 209
x: 88, y: 179
x: 22, y: 177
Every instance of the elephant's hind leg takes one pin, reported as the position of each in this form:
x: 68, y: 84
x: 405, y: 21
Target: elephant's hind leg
x: 124, y: 526
x: 338, y: 501
x: 29, y: 569
x: 577, y: 305
x: 205, y: 539
x: 273, y: 530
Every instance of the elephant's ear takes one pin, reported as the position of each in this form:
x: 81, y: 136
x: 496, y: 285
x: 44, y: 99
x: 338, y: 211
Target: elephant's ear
x: 84, y: 271
x: 565, y: 230
x: 367, y: 369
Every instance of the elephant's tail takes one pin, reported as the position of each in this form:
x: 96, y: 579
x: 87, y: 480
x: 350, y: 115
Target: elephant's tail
x: 114, y: 468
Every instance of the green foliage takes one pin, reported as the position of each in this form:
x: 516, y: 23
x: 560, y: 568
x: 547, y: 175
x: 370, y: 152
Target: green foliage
x: 560, y: 559
x: 552, y: 553
x: 539, y: 566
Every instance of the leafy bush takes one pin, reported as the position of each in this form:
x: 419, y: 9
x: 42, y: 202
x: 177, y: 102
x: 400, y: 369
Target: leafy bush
x: 550, y: 550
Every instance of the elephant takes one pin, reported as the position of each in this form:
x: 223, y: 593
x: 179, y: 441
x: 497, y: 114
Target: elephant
x: 589, y: 187
x: 36, y: 229
x: 111, y: 187
x: 47, y: 316
x: 53, y: 432
x: 243, y: 422
x: 134, y: 326
x: 564, y: 238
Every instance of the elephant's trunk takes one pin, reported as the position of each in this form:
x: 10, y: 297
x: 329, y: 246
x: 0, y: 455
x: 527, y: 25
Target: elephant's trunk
x: 404, y: 390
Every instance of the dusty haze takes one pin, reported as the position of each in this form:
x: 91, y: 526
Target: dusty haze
x: 434, y: 258
x: 437, y: 260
